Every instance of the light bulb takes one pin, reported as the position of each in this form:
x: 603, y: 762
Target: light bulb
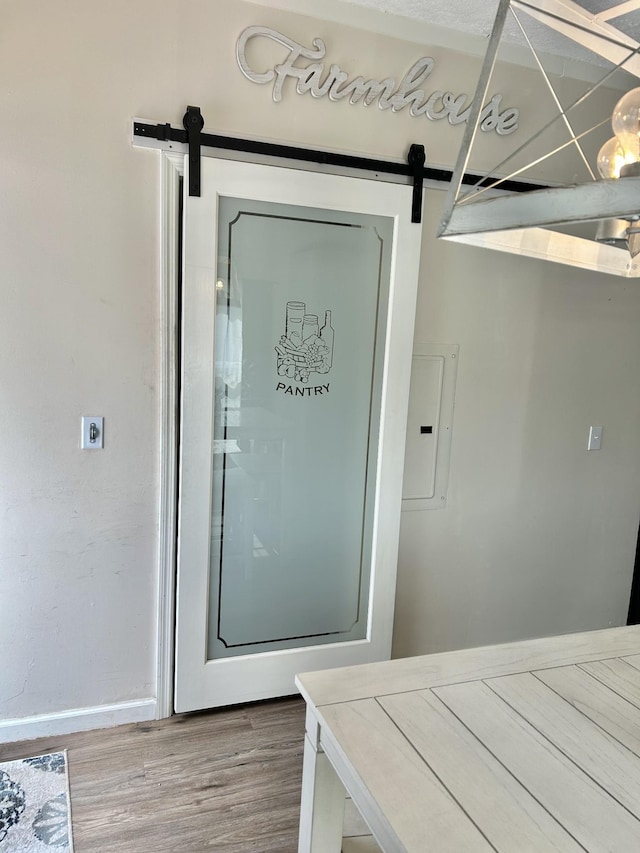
x: 611, y: 158
x: 625, y: 122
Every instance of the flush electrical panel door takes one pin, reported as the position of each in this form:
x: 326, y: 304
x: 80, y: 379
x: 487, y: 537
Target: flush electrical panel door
x: 429, y: 426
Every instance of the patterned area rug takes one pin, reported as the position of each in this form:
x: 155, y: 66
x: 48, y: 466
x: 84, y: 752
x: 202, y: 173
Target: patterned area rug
x: 35, y: 814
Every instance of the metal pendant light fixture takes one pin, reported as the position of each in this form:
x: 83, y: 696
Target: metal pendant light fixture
x: 594, y: 224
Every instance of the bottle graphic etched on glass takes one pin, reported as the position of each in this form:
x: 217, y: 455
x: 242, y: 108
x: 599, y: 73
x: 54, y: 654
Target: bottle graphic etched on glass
x: 310, y: 327
x: 293, y: 328
x: 326, y: 336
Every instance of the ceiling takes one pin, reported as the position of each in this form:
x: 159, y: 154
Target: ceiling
x: 472, y: 16
x: 476, y: 17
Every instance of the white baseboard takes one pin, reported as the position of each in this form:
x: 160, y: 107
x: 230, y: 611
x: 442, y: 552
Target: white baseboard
x: 77, y: 720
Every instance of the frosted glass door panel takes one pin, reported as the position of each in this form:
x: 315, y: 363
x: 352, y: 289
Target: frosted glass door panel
x: 299, y: 345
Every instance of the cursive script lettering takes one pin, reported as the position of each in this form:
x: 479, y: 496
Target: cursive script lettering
x: 336, y: 85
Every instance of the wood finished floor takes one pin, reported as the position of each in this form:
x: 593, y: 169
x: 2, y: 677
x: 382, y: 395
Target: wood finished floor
x: 226, y: 780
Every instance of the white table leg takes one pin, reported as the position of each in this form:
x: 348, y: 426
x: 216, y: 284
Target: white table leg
x: 323, y: 798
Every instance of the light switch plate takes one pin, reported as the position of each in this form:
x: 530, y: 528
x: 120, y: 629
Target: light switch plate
x: 92, y: 433
x: 595, y: 438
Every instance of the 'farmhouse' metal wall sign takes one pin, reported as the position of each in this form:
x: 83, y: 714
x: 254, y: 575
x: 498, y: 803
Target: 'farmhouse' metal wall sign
x: 335, y: 84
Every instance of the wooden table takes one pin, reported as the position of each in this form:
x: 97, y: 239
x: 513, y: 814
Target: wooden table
x: 530, y: 746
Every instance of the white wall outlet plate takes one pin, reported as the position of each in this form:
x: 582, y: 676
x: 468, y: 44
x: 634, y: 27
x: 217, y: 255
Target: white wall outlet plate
x: 92, y: 433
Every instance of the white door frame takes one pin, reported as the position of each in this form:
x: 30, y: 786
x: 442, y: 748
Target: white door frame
x: 171, y: 170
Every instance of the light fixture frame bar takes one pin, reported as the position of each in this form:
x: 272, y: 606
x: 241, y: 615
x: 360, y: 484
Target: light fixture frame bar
x: 617, y: 11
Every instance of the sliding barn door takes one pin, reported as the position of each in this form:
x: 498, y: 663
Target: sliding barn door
x: 298, y: 310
